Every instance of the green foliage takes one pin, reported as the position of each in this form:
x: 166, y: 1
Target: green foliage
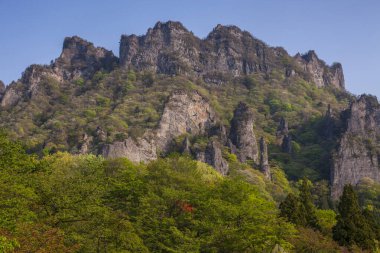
x: 7, y: 245
x: 307, y: 206
x: 352, y: 227
x: 85, y: 203
x: 326, y: 220
x: 291, y: 210
x: 79, y: 82
x: 300, y: 210
x: 311, y: 241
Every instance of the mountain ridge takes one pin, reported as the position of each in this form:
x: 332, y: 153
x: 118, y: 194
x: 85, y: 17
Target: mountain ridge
x: 90, y: 101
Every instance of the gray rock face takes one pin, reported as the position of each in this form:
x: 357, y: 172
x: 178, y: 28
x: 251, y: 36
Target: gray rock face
x: 80, y: 58
x: 101, y: 135
x: 282, y: 137
x: 321, y: 74
x: 85, y: 147
x: 242, y: 135
x: 213, y: 156
x: 264, y: 164
x: 11, y: 96
x: 27, y: 86
x: 140, y: 150
x: 169, y: 48
x: 357, y: 155
x: 185, y: 112
x: 185, y: 149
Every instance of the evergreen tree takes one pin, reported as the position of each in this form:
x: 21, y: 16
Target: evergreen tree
x: 290, y: 209
x: 352, y: 227
x: 308, y: 208
x: 300, y: 210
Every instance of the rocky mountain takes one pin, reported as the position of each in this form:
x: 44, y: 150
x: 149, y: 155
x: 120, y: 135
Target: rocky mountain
x: 321, y: 74
x: 169, y: 48
x: 224, y: 99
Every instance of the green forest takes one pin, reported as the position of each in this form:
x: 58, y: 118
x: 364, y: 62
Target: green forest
x: 85, y: 203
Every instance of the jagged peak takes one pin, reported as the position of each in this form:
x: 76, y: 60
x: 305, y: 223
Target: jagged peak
x: 310, y: 56
x: 223, y: 30
x: 370, y: 101
x: 80, y: 43
x: 220, y: 27
x: 336, y: 65
x: 68, y: 42
x: 170, y: 25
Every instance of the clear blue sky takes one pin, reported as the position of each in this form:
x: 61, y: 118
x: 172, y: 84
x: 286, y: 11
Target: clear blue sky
x: 346, y: 31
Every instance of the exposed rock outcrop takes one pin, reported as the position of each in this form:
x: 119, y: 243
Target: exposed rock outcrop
x: 100, y: 134
x: 264, y: 164
x: 169, y: 48
x: 241, y: 134
x: 11, y: 96
x: 357, y: 155
x: 213, y: 156
x: 85, y: 147
x: 185, y: 148
x: 320, y: 73
x: 185, y: 112
x: 80, y: 58
x: 283, y: 137
x: 282, y: 130
x: 140, y: 150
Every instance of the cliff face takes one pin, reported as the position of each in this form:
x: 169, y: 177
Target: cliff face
x: 80, y: 58
x: 357, y: 155
x: 184, y: 113
x: 320, y: 73
x: 264, y: 164
x: 169, y: 48
x: 241, y: 134
x: 140, y: 150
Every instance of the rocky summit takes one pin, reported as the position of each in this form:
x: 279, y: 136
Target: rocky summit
x: 169, y: 48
